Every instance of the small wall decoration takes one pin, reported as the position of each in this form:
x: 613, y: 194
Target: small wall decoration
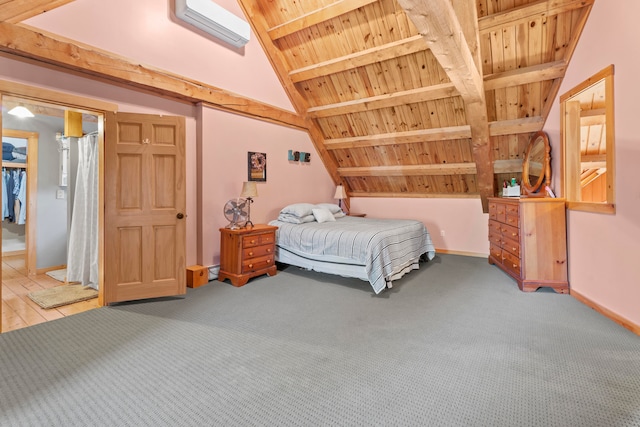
x: 301, y: 156
x: 257, y: 165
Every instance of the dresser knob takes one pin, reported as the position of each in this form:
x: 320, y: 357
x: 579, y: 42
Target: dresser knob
x: 250, y: 265
x: 268, y: 261
x: 250, y: 253
x: 268, y: 250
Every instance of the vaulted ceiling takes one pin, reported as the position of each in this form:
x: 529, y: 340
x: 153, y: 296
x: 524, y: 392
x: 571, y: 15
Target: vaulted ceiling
x: 402, y: 98
x: 415, y: 98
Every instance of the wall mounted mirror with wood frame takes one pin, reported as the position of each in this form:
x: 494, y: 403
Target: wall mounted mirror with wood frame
x: 588, y: 144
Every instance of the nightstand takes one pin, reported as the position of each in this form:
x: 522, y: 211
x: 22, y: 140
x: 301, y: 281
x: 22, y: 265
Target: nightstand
x: 246, y: 253
x: 360, y: 215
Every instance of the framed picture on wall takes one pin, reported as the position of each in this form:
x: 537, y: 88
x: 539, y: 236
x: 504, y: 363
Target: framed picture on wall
x: 257, y: 165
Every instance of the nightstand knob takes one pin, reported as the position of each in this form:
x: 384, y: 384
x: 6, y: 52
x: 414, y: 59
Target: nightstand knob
x: 250, y: 253
x: 269, y: 250
x: 268, y: 261
x: 253, y: 241
x: 250, y: 265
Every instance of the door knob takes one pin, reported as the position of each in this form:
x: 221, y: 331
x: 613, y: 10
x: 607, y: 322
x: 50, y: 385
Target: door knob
x: 180, y: 215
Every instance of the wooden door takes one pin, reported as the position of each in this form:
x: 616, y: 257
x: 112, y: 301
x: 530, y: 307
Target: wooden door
x: 145, y: 200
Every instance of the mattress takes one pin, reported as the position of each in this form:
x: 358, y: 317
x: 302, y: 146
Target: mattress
x: 378, y: 250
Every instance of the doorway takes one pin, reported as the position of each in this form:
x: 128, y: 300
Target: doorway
x: 142, y: 175
x: 34, y: 250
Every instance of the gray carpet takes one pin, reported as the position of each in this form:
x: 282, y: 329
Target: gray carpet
x: 452, y: 344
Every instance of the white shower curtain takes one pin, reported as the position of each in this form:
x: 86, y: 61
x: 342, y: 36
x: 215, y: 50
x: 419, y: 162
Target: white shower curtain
x: 82, y: 256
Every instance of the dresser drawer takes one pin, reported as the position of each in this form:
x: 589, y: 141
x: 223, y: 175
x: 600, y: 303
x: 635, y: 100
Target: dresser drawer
x: 493, y: 210
x: 495, y: 251
x: 512, y: 220
x: 495, y: 227
x: 511, y: 246
x: 255, y: 264
x: 501, y: 212
x: 510, y: 232
x: 511, y: 262
x: 257, y: 251
x: 495, y: 238
x: 512, y: 209
x: 257, y: 240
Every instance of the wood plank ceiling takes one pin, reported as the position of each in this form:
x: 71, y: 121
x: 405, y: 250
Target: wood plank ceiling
x: 414, y: 98
x: 401, y: 98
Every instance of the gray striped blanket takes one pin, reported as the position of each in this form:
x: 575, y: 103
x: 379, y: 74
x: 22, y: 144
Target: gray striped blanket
x: 383, y: 246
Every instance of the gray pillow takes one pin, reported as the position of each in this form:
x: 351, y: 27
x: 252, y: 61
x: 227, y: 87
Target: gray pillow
x: 293, y: 219
x: 333, y: 208
x: 298, y: 209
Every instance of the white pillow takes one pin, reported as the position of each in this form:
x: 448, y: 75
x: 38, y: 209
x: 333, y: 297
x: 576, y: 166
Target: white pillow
x: 298, y: 209
x: 323, y: 215
x: 296, y: 219
x: 332, y: 208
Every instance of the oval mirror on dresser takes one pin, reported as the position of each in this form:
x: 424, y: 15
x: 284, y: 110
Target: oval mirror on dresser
x: 536, y: 166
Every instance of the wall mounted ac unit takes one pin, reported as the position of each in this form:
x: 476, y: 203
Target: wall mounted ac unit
x: 215, y: 20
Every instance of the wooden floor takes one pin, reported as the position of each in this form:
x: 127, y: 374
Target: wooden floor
x: 18, y: 311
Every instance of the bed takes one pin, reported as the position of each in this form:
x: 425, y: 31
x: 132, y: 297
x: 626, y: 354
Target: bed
x: 379, y: 251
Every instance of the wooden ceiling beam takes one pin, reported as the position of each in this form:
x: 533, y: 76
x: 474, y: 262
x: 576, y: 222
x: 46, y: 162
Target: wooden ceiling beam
x: 407, y: 137
x: 507, y: 166
x: 34, y: 44
x: 516, y: 126
x: 593, y: 117
x: 536, y: 73
x: 500, y: 166
x: 14, y: 11
x: 438, y: 25
x: 423, y: 94
x: 446, y: 32
x: 528, y: 12
x: 315, y: 17
x: 498, y: 128
x: 415, y: 195
x: 410, y: 170
x: 359, y: 59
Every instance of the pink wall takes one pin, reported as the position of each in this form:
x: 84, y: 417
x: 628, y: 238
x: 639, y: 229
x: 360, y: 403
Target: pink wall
x: 603, y: 260
x: 226, y: 140
x: 464, y: 224
x: 149, y: 32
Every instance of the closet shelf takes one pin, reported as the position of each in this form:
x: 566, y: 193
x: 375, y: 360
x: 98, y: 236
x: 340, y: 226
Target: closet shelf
x: 14, y: 165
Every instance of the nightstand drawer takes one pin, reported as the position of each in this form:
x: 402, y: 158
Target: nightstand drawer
x: 257, y: 240
x: 257, y: 251
x: 255, y: 264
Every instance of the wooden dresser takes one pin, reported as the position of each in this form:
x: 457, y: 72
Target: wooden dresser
x: 247, y: 253
x: 528, y: 240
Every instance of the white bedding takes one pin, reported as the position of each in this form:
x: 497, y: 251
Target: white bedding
x: 377, y: 250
